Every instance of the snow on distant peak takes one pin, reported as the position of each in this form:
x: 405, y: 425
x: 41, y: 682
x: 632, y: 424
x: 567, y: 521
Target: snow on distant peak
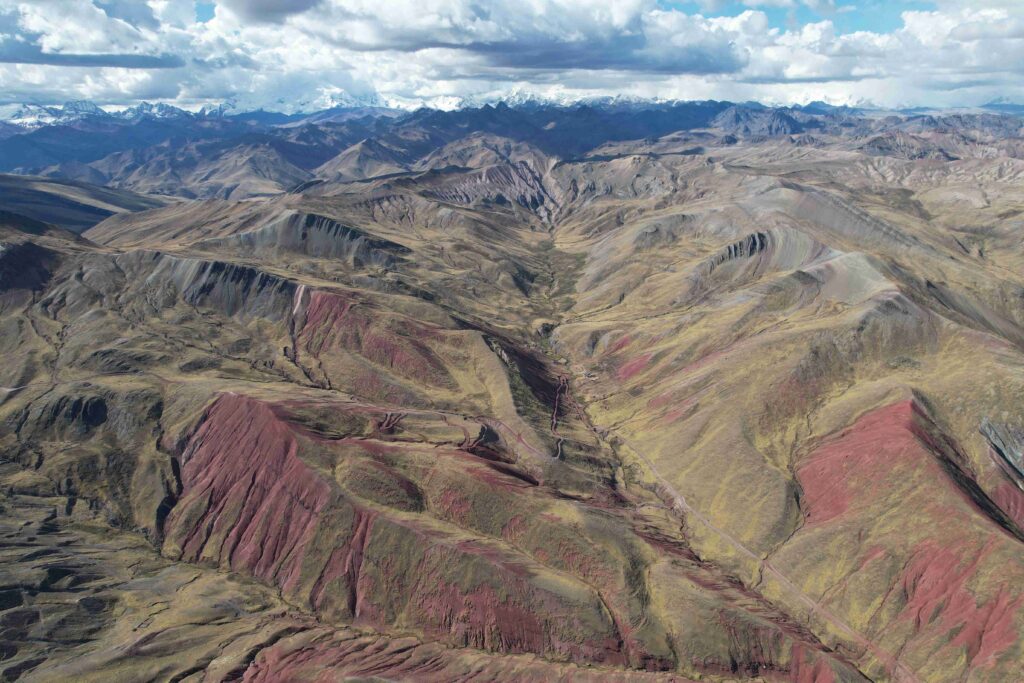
x: 219, y: 110
x: 29, y: 115
x: 324, y: 99
x: 32, y: 116
x: 38, y: 115
x: 81, y: 108
x: 153, y: 111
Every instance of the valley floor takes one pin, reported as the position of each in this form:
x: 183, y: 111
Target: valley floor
x: 743, y: 414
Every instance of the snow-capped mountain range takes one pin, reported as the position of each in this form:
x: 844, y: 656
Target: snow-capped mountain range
x: 335, y: 103
x: 32, y: 116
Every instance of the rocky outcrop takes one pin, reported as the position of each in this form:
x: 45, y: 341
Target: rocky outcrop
x: 1007, y: 443
x: 508, y: 183
x: 229, y: 288
x: 315, y: 236
x: 740, y: 120
x: 903, y: 145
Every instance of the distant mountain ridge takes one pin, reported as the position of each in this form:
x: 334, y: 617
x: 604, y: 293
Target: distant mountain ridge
x: 221, y: 153
x: 21, y: 117
x: 32, y: 116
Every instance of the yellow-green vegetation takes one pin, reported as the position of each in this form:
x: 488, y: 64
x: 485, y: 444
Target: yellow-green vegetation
x: 747, y: 414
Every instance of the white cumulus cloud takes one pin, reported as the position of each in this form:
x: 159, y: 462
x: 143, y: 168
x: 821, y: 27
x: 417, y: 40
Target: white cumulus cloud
x: 289, y: 54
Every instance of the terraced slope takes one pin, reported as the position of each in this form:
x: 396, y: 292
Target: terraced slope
x: 742, y: 413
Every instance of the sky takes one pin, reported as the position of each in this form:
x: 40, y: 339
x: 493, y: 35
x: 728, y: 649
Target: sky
x: 300, y: 55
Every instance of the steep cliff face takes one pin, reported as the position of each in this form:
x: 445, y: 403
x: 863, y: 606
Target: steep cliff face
x: 511, y: 183
x: 314, y: 236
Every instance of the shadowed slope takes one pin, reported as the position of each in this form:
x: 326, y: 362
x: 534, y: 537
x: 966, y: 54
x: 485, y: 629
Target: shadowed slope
x: 75, y: 206
x: 738, y: 413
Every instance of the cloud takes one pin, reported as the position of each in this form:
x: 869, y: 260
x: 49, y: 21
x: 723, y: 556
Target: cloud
x: 770, y: 3
x: 100, y: 33
x: 290, y: 54
x: 821, y: 6
x: 15, y: 51
x: 130, y: 11
x: 268, y: 10
x: 542, y: 34
x: 974, y: 30
x: 34, y: 56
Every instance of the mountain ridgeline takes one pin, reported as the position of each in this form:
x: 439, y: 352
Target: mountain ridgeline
x: 214, y: 154
x: 602, y: 392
